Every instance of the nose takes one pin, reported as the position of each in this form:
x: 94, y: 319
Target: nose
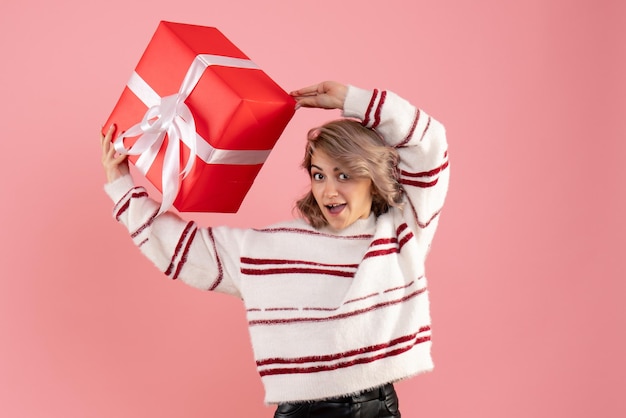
x: 330, y: 188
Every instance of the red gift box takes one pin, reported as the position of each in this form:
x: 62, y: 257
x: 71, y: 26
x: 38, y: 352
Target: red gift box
x: 198, y: 118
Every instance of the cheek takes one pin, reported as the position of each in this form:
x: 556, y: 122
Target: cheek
x: 365, y: 191
x: 366, y: 199
x: 315, y: 190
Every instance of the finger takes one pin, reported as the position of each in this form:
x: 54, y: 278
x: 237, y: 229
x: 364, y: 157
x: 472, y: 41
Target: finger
x: 110, y: 131
x: 306, y: 91
x: 120, y: 159
x: 102, y: 136
x: 104, y: 143
x: 110, y: 151
x: 107, y: 146
x: 106, y: 138
x: 304, y: 101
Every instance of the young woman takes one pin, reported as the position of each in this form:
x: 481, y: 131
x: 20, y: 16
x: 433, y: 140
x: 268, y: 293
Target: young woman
x: 336, y: 301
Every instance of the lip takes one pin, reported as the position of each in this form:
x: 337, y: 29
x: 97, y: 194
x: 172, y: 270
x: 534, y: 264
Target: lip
x: 335, y: 209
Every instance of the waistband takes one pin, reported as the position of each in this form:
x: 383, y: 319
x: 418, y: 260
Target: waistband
x: 377, y: 393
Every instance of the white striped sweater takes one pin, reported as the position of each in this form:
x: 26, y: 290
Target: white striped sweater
x: 328, y: 313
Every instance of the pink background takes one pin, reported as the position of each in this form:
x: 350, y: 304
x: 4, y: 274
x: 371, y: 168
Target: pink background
x: 527, y: 271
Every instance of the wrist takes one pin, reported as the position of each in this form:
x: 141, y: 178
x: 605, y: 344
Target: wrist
x: 342, y: 92
x: 113, y: 175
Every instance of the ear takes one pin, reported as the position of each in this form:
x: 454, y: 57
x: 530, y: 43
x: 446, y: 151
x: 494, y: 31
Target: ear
x: 376, y: 197
x: 314, y: 133
x: 374, y: 190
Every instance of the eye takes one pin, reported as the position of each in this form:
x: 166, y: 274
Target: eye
x: 344, y: 176
x: 317, y: 176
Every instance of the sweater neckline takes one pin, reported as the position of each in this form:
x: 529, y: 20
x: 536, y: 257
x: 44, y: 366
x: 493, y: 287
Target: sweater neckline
x: 358, y: 227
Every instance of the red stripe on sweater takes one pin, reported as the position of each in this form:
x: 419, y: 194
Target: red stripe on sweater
x: 281, y: 309
x: 360, y: 299
x: 432, y: 218
x: 126, y: 204
x: 342, y: 365
x: 183, y: 258
x: 132, y: 190
x: 405, y: 239
x: 145, y: 225
x: 123, y: 209
x: 379, y: 108
x: 412, y: 130
x: 179, y: 245
x: 382, y: 241
x: 420, y: 184
x: 218, y: 261
x: 399, y: 231
x: 379, y: 242
x: 337, y: 356
x: 366, y: 120
x: 378, y: 253
x: 308, y: 232
x: 420, y: 223
x: 338, y: 316
x: 126, y: 195
x: 425, y: 129
x: 266, y: 272
x: 423, y: 184
x: 430, y: 173
x: 318, y: 308
x: 402, y: 287
x: 263, y: 261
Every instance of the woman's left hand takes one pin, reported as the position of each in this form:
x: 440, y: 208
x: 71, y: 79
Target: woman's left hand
x: 325, y: 95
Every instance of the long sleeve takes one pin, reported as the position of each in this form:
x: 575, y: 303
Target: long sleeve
x: 179, y: 248
x: 421, y: 143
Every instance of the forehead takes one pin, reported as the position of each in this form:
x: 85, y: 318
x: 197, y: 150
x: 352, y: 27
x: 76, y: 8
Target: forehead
x: 323, y: 161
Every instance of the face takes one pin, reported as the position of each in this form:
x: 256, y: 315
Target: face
x: 343, y: 199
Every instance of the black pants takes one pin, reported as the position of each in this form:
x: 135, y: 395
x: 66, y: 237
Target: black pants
x: 376, y: 403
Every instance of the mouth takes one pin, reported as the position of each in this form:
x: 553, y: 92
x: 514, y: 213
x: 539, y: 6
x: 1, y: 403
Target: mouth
x: 335, y: 208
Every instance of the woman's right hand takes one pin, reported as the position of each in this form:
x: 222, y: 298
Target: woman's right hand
x: 115, y: 166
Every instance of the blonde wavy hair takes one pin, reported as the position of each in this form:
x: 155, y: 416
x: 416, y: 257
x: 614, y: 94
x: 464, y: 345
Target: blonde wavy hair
x: 364, y: 154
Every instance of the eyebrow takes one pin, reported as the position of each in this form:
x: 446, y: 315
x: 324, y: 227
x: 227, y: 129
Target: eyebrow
x: 320, y: 169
